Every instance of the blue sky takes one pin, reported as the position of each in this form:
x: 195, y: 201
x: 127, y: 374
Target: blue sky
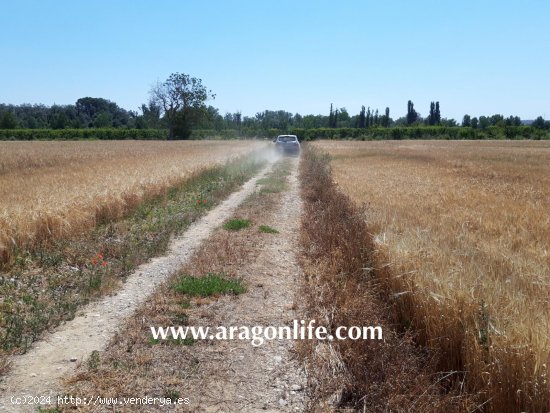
x: 477, y: 57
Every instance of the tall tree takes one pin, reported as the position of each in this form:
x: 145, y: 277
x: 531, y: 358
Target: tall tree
x: 412, y: 115
x: 539, y: 123
x: 88, y: 109
x: 57, y: 118
x: 151, y: 114
x: 238, y: 120
x: 483, y: 122
x: 331, y: 118
x: 466, y: 121
x: 368, y: 120
x: 437, y: 113
x: 512, y: 121
x: 496, y: 120
x: 343, y: 118
x: 362, y: 117
x: 431, y: 116
x: 181, y: 98
x: 386, y: 118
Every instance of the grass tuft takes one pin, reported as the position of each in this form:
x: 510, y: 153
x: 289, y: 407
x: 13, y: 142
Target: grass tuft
x: 209, y: 285
x: 268, y: 230
x: 236, y: 224
x: 272, y: 185
x: 172, y: 394
x: 276, y: 180
x: 94, y: 360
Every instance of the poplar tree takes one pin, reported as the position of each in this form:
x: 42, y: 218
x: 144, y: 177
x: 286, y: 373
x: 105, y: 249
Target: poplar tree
x: 412, y: 115
x: 362, y: 117
x: 431, y: 117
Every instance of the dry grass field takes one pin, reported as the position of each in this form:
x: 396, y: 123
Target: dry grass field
x: 462, y: 231
x: 58, y: 189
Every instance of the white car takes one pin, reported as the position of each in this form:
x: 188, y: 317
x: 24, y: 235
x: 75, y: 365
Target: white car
x: 287, y: 144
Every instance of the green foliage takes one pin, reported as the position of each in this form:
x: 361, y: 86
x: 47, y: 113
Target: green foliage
x: 209, y: 285
x: 276, y: 180
x: 477, y: 130
x: 172, y: 394
x: 180, y: 126
x: 272, y: 185
x: 98, y: 112
x: 150, y: 117
x: 267, y: 229
x: 187, y: 341
x: 361, y: 122
x: 408, y: 132
x: 445, y: 131
x: 434, y: 118
x: 236, y: 224
x: 103, y: 120
x: 412, y: 115
x: 8, y: 121
x: 539, y: 123
x: 94, y: 360
x: 182, y: 98
x: 82, y: 134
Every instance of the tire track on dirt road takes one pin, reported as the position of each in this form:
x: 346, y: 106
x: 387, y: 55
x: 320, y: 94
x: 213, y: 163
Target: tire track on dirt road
x: 38, y: 372
x: 234, y: 375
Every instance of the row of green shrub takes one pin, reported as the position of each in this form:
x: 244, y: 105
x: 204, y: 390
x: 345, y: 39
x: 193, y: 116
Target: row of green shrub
x: 81, y: 134
x: 421, y: 132
x: 395, y: 133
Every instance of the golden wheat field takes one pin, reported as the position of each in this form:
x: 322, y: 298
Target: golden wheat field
x: 53, y: 189
x: 464, y: 229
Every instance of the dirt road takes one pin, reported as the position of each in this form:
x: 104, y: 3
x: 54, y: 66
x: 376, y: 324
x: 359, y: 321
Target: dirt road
x: 235, y: 376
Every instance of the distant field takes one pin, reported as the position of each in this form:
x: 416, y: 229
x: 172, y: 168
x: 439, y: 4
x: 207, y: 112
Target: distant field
x: 54, y: 189
x: 464, y: 228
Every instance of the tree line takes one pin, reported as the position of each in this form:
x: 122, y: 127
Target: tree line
x: 179, y: 106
